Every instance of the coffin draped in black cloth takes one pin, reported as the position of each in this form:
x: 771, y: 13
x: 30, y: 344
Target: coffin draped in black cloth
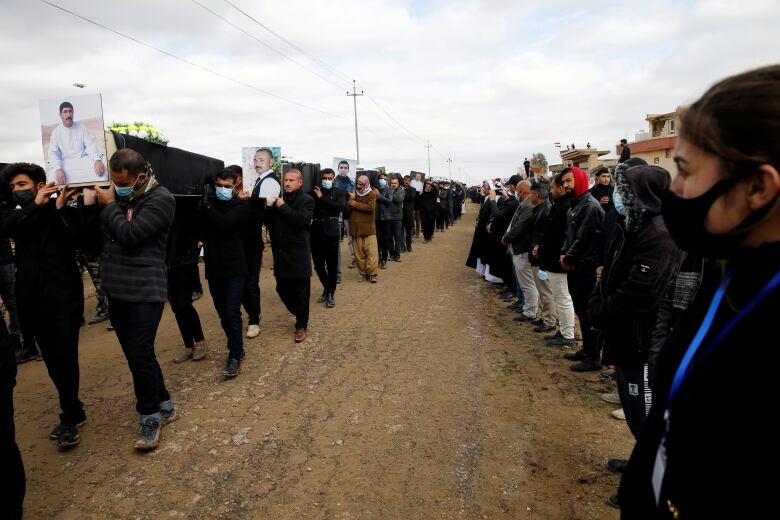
x: 182, y: 172
x: 310, y: 171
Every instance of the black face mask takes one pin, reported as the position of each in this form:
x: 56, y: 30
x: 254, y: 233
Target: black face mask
x: 23, y: 197
x: 685, y: 218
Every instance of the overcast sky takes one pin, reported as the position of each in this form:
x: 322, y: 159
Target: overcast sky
x: 488, y: 83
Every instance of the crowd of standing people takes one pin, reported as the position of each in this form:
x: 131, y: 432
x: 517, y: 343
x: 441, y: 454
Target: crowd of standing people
x: 668, y: 281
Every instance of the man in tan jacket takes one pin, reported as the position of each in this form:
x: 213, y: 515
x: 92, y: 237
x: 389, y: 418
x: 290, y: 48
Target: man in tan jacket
x: 361, y: 208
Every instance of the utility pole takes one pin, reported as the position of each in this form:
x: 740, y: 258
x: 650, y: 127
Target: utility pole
x: 449, y: 167
x: 354, y: 97
x: 428, y: 146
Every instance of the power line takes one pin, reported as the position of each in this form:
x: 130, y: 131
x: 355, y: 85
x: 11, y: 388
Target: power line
x: 191, y: 63
x: 311, y: 56
x: 264, y: 44
x: 324, y: 65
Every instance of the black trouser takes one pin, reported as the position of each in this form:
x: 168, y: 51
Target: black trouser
x: 56, y: 329
x: 397, y: 229
x: 226, y: 292
x: 135, y: 324
x: 441, y: 217
x: 196, y: 282
x: 384, y: 239
x: 408, y: 230
x: 635, y: 395
x: 581, y: 283
x: 427, y: 221
x: 325, y: 256
x: 181, y: 284
x: 12, y: 492
x: 251, y: 298
x: 295, y: 293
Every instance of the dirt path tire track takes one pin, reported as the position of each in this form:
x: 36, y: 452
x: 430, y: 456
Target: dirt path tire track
x: 416, y: 397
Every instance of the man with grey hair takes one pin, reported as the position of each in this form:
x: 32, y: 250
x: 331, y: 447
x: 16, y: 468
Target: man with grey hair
x: 519, y: 239
x: 289, y: 220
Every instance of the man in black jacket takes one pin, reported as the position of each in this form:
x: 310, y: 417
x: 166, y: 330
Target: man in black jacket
x: 540, y: 195
x: 136, y: 217
x: 396, y: 218
x: 224, y: 217
x: 12, y: 490
x: 289, y: 220
x: 329, y: 202
x: 549, y: 250
x: 384, y: 232
x: 578, y: 258
x: 519, y: 240
x: 49, y: 290
x: 410, y: 203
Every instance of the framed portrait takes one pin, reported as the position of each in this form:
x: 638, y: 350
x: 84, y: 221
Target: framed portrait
x: 346, y: 173
x: 256, y: 160
x: 74, y: 143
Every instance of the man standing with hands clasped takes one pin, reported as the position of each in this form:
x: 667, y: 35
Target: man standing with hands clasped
x: 289, y: 219
x: 136, y: 217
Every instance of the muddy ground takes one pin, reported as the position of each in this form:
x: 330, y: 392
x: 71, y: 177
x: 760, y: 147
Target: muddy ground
x: 415, y: 398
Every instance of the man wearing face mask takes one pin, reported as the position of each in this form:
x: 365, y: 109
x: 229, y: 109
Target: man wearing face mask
x: 136, y: 217
x: 49, y: 290
x: 578, y: 258
x: 329, y: 202
x: 384, y: 233
x: 410, y: 203
x: 396, y: 218
x: 443, y: 212
x: 224, y: 220
x: 710, y: 436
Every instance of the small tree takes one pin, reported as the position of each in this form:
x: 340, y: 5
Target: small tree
x: 538, y: 160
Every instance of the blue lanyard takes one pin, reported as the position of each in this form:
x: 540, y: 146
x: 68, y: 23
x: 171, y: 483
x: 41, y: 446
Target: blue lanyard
x: 685, y: 364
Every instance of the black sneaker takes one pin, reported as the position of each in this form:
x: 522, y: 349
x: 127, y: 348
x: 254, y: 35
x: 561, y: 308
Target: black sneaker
x: 331, y: 301
x: 322, y: 297
x: 57, y: 431
x: 68, y: 435
x: 575, y: 356
x: 586, y: 365
x: 544, y: 328
x: 27, y: 354
x: 232, y: 368
x: 383, y: 264
x: 617, y: 465
x: 563, y: 342
x: 537, y: 322
x: 553, y: 336
x: 148, y: 435
x: 613, y: 501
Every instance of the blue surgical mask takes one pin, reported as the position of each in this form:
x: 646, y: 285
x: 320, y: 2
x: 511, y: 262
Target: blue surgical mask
x: 124, y: 191
x: 619, y: 207
x: 224, y: 193
x: 327, y: 184
x: 382, y: 183
x: 542, y: 275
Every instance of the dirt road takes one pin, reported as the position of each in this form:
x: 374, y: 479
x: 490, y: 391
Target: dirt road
x: 415, y: 398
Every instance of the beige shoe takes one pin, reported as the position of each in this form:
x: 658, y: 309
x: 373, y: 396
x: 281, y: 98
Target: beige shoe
x: 200, y: 350
x: 253, y: 331
x: 184, y: 355
x: 611, y: 398
x: 619, y: 414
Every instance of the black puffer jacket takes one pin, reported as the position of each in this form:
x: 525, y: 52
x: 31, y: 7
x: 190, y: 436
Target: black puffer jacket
x: 640, y: 264
x: 583, y: 225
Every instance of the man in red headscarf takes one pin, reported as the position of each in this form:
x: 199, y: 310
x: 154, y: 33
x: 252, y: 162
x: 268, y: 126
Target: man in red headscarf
x: 578, y: 258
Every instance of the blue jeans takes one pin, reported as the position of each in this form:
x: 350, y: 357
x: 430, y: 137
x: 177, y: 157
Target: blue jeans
x: 227, y: 293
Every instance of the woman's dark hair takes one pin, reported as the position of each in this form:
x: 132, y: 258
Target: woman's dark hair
x: 738, y: 119
x: 33, y: 171
x: 130, y: 160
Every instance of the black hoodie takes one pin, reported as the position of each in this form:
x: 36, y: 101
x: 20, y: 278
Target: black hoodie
x: 640, y: 264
